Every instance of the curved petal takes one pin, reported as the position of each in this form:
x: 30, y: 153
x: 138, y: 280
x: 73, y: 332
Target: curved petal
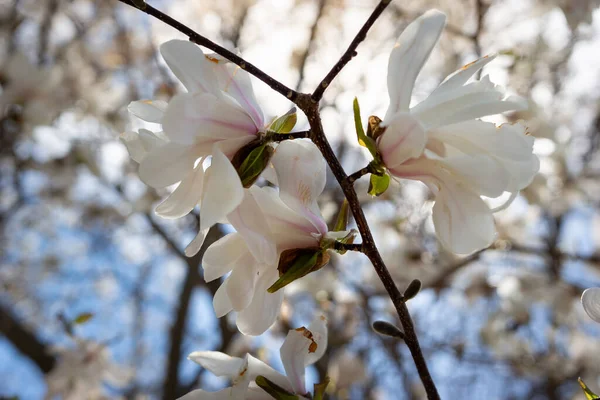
x: 220, y: 364
x: 460, y: 77
x: 590, y: 299
x: 411, y: 51
x: 199, y: 394
x: 256, y: 367
x: 139, y: 144
x: 318, y: 327
x: 300, y: 169
x: 262, y: 311
x: 293, y: 352
x: 190, y: 66
x: 221, y: 302
x: 204, y: 118
x: 168, y: 164
x: 223, y: 255
x: 196, y: 244
x: 241, y: 283
x: 403, y: 138
x: 463, y: 222
x: 185, y: 196
x: 148, y: 110
x: 482, y: 174
x: 223, y: 190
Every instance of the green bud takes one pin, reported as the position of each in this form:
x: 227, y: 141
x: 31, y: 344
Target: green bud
x: 319, y: 389
x: 363, y: 139
x: 251, y: 160
x: 342, y: 220
x: 285, y: 123
x: 296, y: 263
x: 275, y: 391
x: 412, y: 290
x: 83, y: 318
x: 589, y: 395
x: 387, y: 329
x: 378, y: 184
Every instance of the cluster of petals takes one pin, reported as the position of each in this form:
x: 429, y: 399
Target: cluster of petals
x: 590, y: 299
x: 302, y: 347
x: 267, y: 222
x: 217, y: 116
x: 442, y: 143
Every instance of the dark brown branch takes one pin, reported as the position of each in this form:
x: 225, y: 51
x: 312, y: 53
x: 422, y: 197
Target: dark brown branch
x: 350, y: 52
x: 203, y: 41
x: 348, y: 246
x: 280, y: 137
x: 25, y: 341
x: 359, y: 174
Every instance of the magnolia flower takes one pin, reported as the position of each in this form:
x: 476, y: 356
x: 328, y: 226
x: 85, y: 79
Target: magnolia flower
x: 301, y: 348
x: 590, y: 299
x: 268, y: 224
x: 215, y: 118
x: 440, y: 142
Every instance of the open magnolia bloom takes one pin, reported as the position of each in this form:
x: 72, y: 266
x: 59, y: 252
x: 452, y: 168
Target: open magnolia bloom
x: 590, y: 299
x: 280, y: 237
x: 302, y: 347
x: 441, y: 142
x: 216, y: 118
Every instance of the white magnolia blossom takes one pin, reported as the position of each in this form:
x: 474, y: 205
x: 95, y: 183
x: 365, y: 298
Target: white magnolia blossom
x: 81, y: 371
x: 590, y: 299
x: 441, y: 142
x: 268, y: 222
x: 302, y: 347
x: 215, y: 118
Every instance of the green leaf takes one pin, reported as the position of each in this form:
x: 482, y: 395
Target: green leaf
x: 319, y: 389
x: 363, y: 139
x: 275, y: 391
x: 342, y: 220
x: 83, y: 318
x: 378, y: 184
x: 285, y: 123
x: 254, y: 164
x: 296, y: 263
x: 589, y: 395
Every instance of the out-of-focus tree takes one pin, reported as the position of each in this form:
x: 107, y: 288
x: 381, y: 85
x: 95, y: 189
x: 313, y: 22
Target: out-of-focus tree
x: 85, y: 265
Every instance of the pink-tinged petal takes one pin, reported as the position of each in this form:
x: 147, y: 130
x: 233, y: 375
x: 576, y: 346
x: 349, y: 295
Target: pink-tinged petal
x: 460, y: 77
x: 590, y: 299
x: 196, y: 244
x: 300, y: 169
x: 223, y: 190
x: 250, y: 221
x: 236, y: 82
x: 139, y: 144
x: 241, y: 283
x: 223, y: 255
x: 168, y: 164
x: 262, y: 311
x: 189, y: 65
x: 199, y: 394
x: 463, y: 222
x: 148, y: 110
x: 412, y: 49
x: 204, y: 118
x: 185, y: 196
x: 221, y: 302
x: 403, y: 138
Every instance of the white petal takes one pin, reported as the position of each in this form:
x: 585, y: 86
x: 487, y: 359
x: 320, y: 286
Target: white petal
x: 300, y: 169
x: 223, y: 255
x: 590, y: 299
x: 196, y: 244
x: 230, y: 147
x: 189, y: 65
x: 411, y: 51
x: 293, y: 354
x: 199, y: 394
x: 168, y: 164
x: 236, y: 82
x: 220, y: 364
x: 403, y: 138
x: 223, y: 190
x: 134, y: 146
x: 318, y: 328
x: 264, y: 308
x: 461, y: 76
x: 221, y: 302
x: 148, y: 110
x: 185, y: 196
x: 256, y: 367
x: 204, y: 118
x: 482, y: 174
x: 241, y: 283
x: 463, y: 222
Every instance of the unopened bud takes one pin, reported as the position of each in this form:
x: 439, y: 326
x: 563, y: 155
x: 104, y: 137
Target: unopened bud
x: 374, y: 130
x: 412, y: 290
x: 251, y: 160
x: 296, y: 263
x: 387, y: 329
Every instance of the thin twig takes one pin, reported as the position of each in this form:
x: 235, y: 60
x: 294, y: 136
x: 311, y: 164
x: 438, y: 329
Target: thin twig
x: 347, y: 246
x: 350, y: 52
x: 209, y: 44
x: 359, y: 174
x: 280, y: 137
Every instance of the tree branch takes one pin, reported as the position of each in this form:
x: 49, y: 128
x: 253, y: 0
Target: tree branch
x: 350, y: 52
x: 209, y: 44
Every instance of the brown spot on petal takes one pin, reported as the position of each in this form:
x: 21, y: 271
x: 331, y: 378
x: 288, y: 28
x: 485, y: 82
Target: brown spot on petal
x: 309, y: 335
x: 212, y: 59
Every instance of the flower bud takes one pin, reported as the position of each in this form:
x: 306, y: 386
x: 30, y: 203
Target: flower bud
x: 296, y: 263
x: 387, y: 329
x: 251, y: 160
x: 274, y: 390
